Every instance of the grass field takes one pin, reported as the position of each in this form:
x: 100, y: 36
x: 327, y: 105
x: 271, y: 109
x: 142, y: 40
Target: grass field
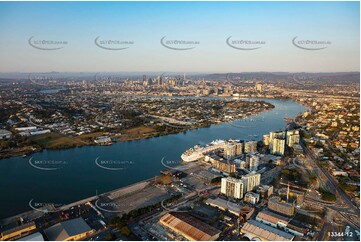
x: 90, y: 137
x: 137, y: 133
x: 139, y: 130
x: 55, y: 141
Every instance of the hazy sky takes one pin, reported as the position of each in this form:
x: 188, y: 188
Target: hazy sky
x: 209, y: 23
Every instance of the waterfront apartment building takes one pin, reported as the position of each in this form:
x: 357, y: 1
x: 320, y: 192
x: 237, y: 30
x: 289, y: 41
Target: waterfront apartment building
x: 275, y: 204
x: 292, y: 137
x: 266, y: 138
x: 251, y: 181
x: 278, y: 146
x: 232, y: 149
x: 232, y: 187
x: 279, y: 134
x: 250, y: 146
x: 220, y: 163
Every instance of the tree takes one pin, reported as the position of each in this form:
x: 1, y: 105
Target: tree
x: 233, y: 174
x: 216, y: 180
x: 313, y: 177
x: 109, y: 237
x: 125, y: 231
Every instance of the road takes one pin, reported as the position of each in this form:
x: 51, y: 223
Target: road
x: 331, y: 180
x: 344, y: 206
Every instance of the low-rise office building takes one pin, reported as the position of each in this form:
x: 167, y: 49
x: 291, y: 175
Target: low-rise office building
x: 275, y: 204
x: 251, y: 197
x: 265, y: 191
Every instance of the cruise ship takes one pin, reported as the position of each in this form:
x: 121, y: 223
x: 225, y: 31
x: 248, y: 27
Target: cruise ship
x: 197, y: 152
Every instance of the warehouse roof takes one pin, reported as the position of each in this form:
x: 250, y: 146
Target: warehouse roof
x: 66, y: 229
x: 265, y: 232
x: 33, y: 237
x: 17, y: 228
x: 189, y: 226
x: 272, y: 217
x: 4, y: 132
x: 224, y: 205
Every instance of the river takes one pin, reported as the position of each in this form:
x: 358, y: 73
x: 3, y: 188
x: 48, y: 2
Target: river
x: 79, y: 176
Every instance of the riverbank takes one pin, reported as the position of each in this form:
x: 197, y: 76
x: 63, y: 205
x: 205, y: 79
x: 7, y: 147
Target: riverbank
x: 55, y: 141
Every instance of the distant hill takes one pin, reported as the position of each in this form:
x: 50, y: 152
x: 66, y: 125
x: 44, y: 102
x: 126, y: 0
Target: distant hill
x: 286, y: 76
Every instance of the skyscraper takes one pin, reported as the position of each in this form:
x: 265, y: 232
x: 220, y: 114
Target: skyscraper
x: 159, y: 81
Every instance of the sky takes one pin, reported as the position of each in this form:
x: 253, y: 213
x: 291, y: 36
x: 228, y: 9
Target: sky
x: 206, y: 24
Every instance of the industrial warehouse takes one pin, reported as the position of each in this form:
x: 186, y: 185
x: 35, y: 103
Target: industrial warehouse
x: 256, y: 230
x: 190, y: 227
